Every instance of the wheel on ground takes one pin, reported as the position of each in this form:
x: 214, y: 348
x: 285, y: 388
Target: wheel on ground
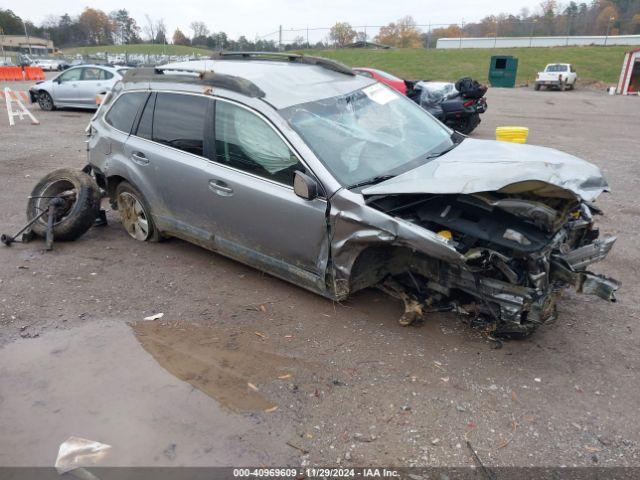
x: 78, y: 197
x: 134, y: 213
x: 469, y: 124
x: 572, y: 86
x: 45, y: 101
x: 536, y: 86
x: 563, y: 85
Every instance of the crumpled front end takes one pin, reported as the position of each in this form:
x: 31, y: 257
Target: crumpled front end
x: 503, y: 257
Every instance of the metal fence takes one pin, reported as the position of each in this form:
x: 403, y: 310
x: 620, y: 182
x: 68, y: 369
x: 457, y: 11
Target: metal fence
x: 510, y: 42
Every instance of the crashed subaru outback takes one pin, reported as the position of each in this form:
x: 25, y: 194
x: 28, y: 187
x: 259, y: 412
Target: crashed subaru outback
x: 300, y: 168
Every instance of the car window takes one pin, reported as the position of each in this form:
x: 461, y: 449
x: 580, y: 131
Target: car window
x: 179, y: 120
x: 246, y: 142
x: 93, y: 73
x: 146, y: 119
x: 557, y: 68
x: 122, y: 114
x: 72, y: 75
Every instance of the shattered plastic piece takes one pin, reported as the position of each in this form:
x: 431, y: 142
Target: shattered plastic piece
x: 77, y: 452
x: 154, y: 317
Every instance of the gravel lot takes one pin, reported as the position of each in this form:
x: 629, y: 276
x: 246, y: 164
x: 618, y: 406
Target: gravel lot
x: 351, y: 386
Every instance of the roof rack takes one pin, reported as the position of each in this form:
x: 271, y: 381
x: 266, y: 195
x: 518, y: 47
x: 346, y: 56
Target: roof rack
x: 290, y: 57
x: 209, y: 78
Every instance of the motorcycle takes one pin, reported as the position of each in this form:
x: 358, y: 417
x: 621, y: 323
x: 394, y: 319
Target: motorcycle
x: 456, y: 105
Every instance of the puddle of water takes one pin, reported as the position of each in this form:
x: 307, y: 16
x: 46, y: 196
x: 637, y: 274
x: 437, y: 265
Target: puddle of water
x: 227, y: 366
x: 97, y: 382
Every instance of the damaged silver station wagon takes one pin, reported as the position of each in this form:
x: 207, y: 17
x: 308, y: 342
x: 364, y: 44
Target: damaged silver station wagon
x: 334, y: 182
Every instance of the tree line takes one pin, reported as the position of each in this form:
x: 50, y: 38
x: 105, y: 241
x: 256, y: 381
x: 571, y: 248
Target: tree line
x: 96, y: 27
x: 551, y: 18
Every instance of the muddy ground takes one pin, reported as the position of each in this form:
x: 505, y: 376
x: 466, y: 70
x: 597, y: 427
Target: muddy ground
x: 245, y: 369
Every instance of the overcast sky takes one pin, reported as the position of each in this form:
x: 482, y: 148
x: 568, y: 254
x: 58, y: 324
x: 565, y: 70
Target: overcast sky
x: 255, y: 17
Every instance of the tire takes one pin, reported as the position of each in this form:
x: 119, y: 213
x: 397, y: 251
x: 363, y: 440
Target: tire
x: 469, y: 125
x: 563, y: 86
x: 80, y: 196
x: 572, y: 86
x: 45, y: 101
x: 536, y: 86
x: 135, y: 214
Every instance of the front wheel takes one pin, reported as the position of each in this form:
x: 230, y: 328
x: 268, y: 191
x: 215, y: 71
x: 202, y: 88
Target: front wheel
x: 45, y: 101
x: 469, y: 124
x: 135, y: 214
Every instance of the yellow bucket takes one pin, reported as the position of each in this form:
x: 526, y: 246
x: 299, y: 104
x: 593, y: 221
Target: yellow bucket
x: 512, y: 134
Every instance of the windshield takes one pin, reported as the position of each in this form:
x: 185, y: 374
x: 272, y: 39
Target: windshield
x: 369, y: 133
x: 556, y: 68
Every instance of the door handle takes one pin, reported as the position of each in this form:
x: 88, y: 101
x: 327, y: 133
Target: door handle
x: 139, y: 158
x: 220, y: 188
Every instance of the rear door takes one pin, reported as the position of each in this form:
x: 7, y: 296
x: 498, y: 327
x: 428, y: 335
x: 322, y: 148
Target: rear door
x: 167, y: 152
x: 94, y: 80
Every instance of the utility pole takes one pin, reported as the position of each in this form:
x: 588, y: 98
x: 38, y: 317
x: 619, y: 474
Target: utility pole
x: 495, y: 38
x: 461, y: 30
x: 533, y: 26
x: 280, y: 38
x: 26, y: 34
x: 308, y: 46
x: 606, y: 37
x: 429, y: 35
x: 4, y: 53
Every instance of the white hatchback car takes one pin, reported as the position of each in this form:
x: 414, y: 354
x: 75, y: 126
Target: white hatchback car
x: 77, y: 87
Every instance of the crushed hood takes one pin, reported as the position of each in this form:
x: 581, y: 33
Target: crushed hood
x: 477, y: 166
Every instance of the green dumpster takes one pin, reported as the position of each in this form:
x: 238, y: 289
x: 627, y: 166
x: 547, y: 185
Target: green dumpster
x: 503, y: 70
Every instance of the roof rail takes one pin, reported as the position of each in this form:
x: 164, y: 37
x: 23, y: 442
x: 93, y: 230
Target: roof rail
x: 210, y: 78
x: 290, y: 57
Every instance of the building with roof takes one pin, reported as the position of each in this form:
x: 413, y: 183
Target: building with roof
x: 24, y: 44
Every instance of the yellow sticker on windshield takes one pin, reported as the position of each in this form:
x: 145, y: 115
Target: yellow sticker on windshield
x: 379, y: 93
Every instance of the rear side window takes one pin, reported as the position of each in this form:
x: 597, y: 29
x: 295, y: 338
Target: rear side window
x: 179, y: 120
x: 146, y: 119
x: 124, y: 111
x: 92, y: 73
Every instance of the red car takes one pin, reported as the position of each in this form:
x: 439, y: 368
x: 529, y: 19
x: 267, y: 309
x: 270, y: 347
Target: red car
x: 383, y: 77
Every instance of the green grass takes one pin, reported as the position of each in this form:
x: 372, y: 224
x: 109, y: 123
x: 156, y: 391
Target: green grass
x: 593, y: 64
x: 146, y: 49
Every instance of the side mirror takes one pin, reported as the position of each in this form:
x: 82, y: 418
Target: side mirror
x: 304, y: 186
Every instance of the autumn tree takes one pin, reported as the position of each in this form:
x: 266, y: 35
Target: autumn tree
x: 606, y: 18
x: 342, y: 34
x: 96, y: 26
x: 402, y: 34
x: 180, y: 38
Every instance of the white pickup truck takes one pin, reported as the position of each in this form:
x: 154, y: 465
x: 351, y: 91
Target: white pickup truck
x: 560, y: 75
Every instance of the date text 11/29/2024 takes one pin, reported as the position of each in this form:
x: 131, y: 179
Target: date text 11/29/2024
x: 314, y: 472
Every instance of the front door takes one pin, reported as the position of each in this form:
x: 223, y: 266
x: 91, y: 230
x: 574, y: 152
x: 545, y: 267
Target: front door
x: 250, y: 186
x: 66, y: 88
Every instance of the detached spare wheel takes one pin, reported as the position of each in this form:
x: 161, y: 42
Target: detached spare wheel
x: 79, y: 199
